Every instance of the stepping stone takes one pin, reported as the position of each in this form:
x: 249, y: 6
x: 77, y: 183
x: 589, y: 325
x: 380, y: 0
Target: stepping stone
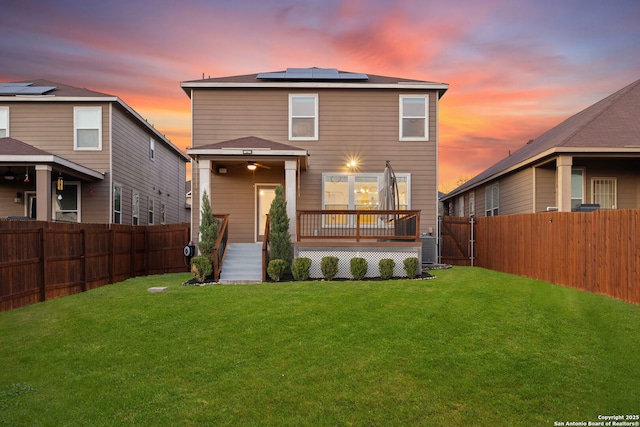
x: 157, y: 289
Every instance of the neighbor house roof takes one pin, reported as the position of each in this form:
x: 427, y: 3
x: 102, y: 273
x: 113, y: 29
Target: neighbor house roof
x: 256, y: 80
x: 609, y: 125
x: 66, y: 93
x: 14, y: 151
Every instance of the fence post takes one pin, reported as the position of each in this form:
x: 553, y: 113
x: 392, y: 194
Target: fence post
x: 133, y: 252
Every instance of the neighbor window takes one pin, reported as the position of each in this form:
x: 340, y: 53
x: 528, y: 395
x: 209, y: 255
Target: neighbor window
x: 604, y: 192
x: 303, y: 117
x: 152, y: 148
x: 4, y: 122
x: 163, y: 214
x: 66, y: 204
x: 135, y: 209
x: 117, y: 204
x: 151, y: 211
x: 414, y: 118
x: 577, y: 188
x: 472, y: 203
x: 87, y: 128
x: 460, y: 205
x: 491, y: 197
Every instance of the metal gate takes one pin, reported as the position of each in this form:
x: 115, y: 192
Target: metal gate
x: 456, y: 240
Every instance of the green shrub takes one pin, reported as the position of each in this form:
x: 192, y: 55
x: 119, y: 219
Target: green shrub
x: 300, y: 268
x: 329, y: 267
x: 279, y: 237
x: 386, y: 265
x: 276, y: 268
x: 358, y: 267
x: 208, y: 229
x: 201, y: 268
x: 411, y: 267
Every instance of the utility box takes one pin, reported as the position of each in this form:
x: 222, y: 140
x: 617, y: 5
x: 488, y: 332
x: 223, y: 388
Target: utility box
x: 428, y: 249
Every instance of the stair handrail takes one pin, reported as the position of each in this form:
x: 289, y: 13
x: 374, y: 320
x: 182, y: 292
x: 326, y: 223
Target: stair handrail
x: 265, y: 248
x: 220, y: 248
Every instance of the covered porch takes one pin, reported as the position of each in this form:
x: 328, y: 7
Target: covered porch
x: 29, y: 174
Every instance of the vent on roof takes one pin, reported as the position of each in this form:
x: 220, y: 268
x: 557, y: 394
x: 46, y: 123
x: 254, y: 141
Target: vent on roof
x: 24, y: 89
x: 306, y: 74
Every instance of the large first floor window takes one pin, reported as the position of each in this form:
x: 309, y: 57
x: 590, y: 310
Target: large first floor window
x: 491, y: 199
x: 135, y: 209
x: 361, y: 191
x: 117, y: 204
x: 604, y: 192
x: 66, y: 202
x: 577, y: 188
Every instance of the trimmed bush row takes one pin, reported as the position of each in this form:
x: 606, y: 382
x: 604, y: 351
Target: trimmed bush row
x: 329, y: 267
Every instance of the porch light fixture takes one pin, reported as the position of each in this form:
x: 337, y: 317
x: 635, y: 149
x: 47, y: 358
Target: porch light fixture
x: 60, y: 184
x: 9, y: 175
x: 252, y: 166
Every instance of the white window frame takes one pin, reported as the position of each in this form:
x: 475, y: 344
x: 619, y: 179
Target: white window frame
x: 135, y: 208
x: 152, y: 148
x: 117, y: 213
x: 54, y: 201
x: 316, y: 117
x: 582, y: 182
x: 4, y: 114
x: 76, y: 128
x: 351, y: 184
x: 492, y: 200
x: 612, y: 182
x: 460, y: 205
x: 472, y: 203
x: 150, y: 211
x: 425, y: 117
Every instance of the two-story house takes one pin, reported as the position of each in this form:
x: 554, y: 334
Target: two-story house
x: 592, y: 158
x: 73, y: 154
x: 324, y: 134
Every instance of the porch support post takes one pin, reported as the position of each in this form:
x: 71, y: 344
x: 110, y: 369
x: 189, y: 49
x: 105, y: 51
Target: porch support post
x: 204, y: 168
x: 290, y: 184
x: 563, y: 170
x: 43, y: 193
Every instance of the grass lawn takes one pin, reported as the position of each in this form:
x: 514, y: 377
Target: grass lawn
x: 472, y: 347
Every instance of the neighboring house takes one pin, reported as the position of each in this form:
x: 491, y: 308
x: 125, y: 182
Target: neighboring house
x: 84, y: 156
x: 592, y: 158
x: 324, y: 134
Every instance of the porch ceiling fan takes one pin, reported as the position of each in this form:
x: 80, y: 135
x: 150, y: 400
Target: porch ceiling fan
x: 254, y: 165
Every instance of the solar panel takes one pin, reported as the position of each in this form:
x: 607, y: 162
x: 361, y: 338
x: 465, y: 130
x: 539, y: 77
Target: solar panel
x: 310, y: 74
x: 24, y: 89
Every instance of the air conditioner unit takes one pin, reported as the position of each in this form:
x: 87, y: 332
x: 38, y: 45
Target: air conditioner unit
x: 428, y: 249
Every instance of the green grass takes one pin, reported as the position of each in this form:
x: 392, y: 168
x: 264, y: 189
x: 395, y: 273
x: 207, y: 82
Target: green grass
x: 472, y: 347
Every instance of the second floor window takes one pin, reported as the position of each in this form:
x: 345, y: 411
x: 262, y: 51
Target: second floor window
x: 151, y: 212
x: 87, y: 128
x: 152, y: 149
x: 414, y: 118
x: 4, y: 122
x: 303, y: 117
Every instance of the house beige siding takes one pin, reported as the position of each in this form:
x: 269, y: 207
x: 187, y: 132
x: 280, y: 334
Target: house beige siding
x: 516, y: 193
x: 161, y: 179
x: 360, y: 123
x: 545, y: 188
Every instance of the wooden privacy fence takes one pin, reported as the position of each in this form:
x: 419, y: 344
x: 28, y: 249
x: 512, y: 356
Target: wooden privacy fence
x: 43, y: 260
x: 598, y: 252
x: 455, y: 240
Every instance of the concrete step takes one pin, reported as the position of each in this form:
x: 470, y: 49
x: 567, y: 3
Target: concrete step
x: 242, y: 263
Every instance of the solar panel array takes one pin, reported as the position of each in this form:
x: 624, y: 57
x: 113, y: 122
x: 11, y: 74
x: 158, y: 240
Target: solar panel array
x: 24, y: 89
x: 306, y: 74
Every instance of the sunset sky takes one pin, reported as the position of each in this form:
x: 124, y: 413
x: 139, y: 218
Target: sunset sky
x: 515, y: 67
